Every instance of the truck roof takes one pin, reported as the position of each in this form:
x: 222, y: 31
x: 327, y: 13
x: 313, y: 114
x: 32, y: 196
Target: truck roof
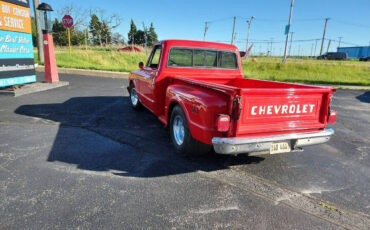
x: 200, y: 44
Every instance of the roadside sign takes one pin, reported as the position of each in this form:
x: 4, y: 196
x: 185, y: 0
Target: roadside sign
x: 16, y: 53
x: 67, y: 21
x: 287, y: 28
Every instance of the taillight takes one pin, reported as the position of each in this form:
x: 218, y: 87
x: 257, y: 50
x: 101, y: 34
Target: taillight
x: 223, y: 123
x: 332, y: 116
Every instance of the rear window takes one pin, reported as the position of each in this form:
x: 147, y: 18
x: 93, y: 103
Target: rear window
x: 202, y: 58
x: 181, y: 57
x: 227, y: 60
x: 206, y: 58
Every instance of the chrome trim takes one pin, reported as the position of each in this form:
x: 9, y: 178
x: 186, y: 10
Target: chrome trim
x: 133, y: 96
x: 178, y: 130
x: 236, y: 145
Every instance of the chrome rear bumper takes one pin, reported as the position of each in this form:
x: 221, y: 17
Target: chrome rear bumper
x: 236, y: 145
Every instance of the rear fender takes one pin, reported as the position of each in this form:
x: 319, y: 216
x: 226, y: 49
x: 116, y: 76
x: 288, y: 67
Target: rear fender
x: 201, y: 107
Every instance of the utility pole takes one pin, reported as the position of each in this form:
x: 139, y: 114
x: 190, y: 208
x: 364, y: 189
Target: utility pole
x: 327, y: 50
x: 271, y: 46
x: 323, y: 35
x: 233, y: 35
x: 249, y: 27
x: 340, y: 39
x: 291, y: 41
x: 86, y: 34
x: 205, y: 31
x: 40, y: 46
x: 146, y: 40
x: 312, y: 49
x: 287, y: 32
x: 299, y: 49
x: 314, y: 52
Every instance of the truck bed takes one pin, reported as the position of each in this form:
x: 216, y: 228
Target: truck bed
x: 269, y: 107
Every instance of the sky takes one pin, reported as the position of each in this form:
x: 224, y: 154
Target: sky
x: 349, y: 19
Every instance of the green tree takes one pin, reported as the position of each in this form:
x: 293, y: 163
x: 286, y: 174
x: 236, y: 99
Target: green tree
x: 152, y: 35
x: 132, y: 33
x: 77, y: 37
x: 95, y: 27
x: 59, y: 33
x: 140, y: 37
x: 106, y: 34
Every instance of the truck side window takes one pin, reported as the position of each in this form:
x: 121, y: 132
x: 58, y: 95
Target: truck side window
x: 154, y: 59
x: 181, y: 57
x: 227, y: 60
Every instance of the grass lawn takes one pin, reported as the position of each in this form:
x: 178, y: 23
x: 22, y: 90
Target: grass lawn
x: 98, y: 59
x: 296, y: 70
x: 309, y: 71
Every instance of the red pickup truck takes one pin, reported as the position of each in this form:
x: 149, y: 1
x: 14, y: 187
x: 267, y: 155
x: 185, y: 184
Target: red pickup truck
x: 198, y: 90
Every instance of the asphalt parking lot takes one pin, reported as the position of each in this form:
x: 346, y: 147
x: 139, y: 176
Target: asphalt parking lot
x: 80, y: 157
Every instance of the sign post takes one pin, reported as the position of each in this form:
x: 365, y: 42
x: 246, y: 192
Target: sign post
x: 67, y: 21
x: 51, y: 71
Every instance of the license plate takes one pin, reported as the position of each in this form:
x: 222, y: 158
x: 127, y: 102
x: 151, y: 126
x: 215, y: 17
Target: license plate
x: 281, y: 147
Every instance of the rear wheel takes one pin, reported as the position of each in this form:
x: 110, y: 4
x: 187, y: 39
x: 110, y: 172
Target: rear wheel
x: 134, y: 99
x: 181, y: 137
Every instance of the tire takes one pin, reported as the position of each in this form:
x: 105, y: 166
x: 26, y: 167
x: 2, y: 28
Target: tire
x: 134, y: 99
x: 182, y: 140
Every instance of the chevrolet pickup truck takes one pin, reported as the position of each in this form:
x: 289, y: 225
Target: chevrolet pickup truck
x: 198, y: 90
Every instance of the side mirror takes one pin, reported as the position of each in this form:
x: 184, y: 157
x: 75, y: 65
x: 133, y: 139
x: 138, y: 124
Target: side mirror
x: 141, y: 65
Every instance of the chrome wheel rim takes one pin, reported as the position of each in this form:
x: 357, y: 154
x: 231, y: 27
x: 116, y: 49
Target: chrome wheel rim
x: 178, y: 130
x: 133, y: 96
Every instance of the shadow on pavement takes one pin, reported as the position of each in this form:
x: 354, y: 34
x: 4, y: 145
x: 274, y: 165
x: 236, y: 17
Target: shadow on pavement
x: 365, y: 97
x: 106, y: 134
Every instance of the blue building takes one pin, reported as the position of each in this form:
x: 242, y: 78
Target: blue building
x: 355, y: 52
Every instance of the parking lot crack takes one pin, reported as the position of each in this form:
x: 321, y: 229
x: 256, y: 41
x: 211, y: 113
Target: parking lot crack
x: 341, y: 217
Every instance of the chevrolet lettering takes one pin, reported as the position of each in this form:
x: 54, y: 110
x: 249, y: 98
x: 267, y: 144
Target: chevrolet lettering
x: 198, y: 90
x: 283, y: 109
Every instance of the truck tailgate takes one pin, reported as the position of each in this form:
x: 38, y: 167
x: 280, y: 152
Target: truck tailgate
x: 267, y: 111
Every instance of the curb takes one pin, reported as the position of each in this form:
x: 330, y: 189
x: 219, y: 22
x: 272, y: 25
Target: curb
x: 87, y: 72
x: 33, y: 88
x: 124, y: 75
x: 350, y: 87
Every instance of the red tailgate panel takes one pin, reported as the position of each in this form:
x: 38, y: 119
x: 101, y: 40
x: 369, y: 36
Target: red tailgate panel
x: 282, y: 111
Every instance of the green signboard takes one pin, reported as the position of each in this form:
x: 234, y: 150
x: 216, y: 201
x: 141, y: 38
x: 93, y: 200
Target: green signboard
x: 287, y: 28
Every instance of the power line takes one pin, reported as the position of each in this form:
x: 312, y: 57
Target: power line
x: 343, y: 42
x: 291, y: 41
x: 281, y: 41
x: 351, y: 23
x: 220, y: 20
x: 265, y: 19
